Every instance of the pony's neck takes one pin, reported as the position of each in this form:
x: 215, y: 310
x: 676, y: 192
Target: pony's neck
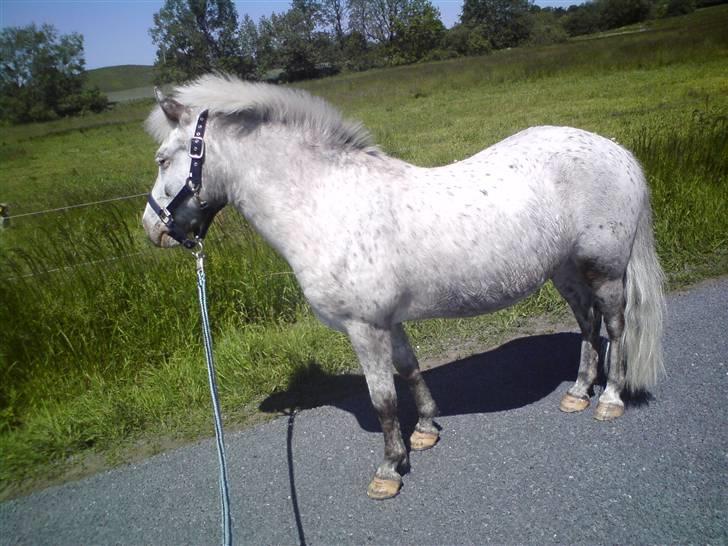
x: 275, y: 177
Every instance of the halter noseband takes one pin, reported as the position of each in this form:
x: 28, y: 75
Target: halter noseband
x: 191, y: 188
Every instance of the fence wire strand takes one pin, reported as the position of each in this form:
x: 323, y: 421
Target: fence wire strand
x: 79, y: 205
x: 93, y: 262
x: 75, y: 266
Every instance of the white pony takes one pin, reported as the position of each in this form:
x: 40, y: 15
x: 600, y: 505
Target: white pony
x: 375, y: 241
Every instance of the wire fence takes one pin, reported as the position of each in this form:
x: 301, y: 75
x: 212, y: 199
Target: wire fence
x: 75, y: 266
x: 5, y: 218
x: 69, y: 207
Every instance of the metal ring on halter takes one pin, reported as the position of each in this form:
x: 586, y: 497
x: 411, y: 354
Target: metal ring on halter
x: 198, y: 250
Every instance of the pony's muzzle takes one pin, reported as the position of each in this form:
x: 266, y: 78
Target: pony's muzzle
x: 166, y: 240
x: 156, y: 230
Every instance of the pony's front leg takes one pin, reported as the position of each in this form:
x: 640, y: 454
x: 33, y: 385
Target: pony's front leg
x: 426, y: 433
x: 373, y: 346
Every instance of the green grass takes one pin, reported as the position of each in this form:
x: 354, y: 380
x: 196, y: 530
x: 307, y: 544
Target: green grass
x: 121, y: 114
x: 99, y: 335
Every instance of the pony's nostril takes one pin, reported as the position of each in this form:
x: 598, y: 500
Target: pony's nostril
x: 166, y: 240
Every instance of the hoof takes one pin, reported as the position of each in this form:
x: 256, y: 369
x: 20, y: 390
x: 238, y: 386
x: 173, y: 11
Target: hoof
x: 419, y: 441
x: 608, y: 412
x: 572, y: 404
x: 380, y: 489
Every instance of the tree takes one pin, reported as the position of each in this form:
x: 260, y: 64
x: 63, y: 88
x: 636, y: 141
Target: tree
x: 618, y: 13
x: 249, y: 37
x: 467, y: 40
x: 333, y: 14
x: 679, y: 7
x: 418, y: 31
x: 401, y: 30
x: 583, y: 19
x: 546, y: 28
x: 294, y: 45
x: 357, y: 53
x: 297, y: 33
x: 266, y: 45
x: 375, y: 19
x: 505, y: 23
x: 194, y: 37
x: 42, y: 75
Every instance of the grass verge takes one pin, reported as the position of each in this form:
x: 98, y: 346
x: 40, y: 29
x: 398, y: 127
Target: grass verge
x: 99, y: 345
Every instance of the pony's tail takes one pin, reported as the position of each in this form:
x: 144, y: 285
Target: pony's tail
x: 644, y: 311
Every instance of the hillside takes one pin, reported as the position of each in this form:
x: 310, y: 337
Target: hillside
x: 112, y: 79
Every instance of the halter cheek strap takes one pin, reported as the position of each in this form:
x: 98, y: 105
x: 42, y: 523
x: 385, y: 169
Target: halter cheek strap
x: 191, y: 188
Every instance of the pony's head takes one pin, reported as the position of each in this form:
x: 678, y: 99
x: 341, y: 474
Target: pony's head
x: 180, y: 205
x: 237, y: 108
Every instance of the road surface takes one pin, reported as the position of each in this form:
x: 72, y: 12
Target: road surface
x: 510, y: 467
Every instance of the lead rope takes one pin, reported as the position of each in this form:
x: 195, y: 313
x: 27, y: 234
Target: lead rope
x: 227, y: 532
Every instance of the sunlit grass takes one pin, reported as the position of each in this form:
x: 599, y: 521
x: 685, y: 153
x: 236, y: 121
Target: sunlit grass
x: 99, y: 332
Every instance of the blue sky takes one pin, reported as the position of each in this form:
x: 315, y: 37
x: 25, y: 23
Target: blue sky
x: 116, y: 31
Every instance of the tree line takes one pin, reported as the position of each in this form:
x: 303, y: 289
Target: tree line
x: 42, y: 73
x: 315, y: 38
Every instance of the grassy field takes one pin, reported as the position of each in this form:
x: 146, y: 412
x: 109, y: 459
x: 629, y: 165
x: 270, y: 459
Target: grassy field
x: 99, y: 346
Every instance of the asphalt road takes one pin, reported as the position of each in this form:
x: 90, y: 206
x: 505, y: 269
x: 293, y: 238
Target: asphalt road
x: 510, y: 467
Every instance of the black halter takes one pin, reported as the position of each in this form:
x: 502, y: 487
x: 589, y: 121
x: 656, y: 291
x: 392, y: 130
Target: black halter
x: 191, y: 188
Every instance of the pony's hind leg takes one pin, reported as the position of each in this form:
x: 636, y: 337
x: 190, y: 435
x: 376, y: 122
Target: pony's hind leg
x: 426, y: 433
x: 374, y: 347
x: 611, y: 300
x: 580, y: 298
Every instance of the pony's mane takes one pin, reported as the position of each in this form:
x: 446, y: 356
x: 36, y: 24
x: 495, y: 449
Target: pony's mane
x: 229, y: 96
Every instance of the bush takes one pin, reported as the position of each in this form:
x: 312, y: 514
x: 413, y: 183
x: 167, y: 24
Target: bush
x: 679, y: 7
x: 467, y: 40
x: 583, y: 19
x: 90, y: 100
x: 440, y: 55
x: 546, y: 29
x: 618, y: 13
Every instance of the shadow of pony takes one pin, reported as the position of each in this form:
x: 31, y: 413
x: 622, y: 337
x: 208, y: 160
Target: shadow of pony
x: 518, y: 373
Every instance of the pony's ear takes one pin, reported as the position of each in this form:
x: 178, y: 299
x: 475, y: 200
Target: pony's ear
x: 171, y: 108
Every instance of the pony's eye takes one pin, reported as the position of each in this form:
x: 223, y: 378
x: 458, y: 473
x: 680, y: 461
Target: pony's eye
x: 163, y: 162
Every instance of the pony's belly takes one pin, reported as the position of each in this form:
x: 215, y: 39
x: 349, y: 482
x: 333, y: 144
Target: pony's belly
x: 467, y: 300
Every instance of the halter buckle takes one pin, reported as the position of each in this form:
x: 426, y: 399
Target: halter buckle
x: 197, y: 148
x: 193, y: 185
x: 165, y: 216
